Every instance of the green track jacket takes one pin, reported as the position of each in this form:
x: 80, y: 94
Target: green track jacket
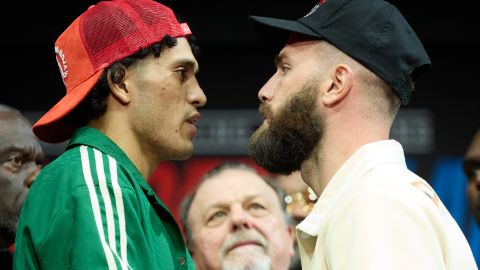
x: 92, y: 209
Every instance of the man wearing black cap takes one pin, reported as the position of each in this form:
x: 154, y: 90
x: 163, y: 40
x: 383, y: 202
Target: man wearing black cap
x: 343, y: 72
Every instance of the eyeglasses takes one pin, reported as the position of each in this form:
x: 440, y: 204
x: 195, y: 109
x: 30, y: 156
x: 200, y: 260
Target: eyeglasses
x: 304, y: 200
x: 471, y: 169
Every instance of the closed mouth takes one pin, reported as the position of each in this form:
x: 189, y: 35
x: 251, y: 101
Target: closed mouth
x: 194, y: 119
x: 244, y: 243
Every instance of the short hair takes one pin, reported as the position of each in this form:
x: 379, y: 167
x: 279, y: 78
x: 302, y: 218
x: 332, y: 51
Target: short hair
x: 94, y: 104
x: 377, y: 90
x: 187, y: 201
x: 384, y: 97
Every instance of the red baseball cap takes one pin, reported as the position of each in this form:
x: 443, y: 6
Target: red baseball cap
x: 104, y: 34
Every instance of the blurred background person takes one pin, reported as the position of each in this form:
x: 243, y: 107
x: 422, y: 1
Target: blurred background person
x: 455, y: 180
x: 20, y: 155
x: 299, y: 197
x: 299, y: 200
x: 471, y: 167
x: 234, y: 219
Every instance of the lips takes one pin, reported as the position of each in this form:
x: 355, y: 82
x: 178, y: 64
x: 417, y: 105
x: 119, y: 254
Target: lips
x: 194, y: 119
x: 244, y: 243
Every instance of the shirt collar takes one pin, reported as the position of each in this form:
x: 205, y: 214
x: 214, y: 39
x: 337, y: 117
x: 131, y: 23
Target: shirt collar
x: 361, y: 162
x: 95, y: 138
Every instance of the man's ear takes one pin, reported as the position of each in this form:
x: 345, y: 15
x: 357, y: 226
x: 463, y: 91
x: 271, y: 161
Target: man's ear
x: 341, y: 83
x: 116, y: 80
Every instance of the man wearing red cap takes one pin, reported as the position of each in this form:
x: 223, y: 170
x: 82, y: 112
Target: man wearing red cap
x: 343, y: 71
x: 131, y: 102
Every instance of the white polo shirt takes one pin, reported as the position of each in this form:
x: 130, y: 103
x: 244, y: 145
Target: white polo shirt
x: 376, y: 214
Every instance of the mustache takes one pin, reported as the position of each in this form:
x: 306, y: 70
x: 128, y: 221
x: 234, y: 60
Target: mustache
x: 293, y: 131
x: 265, y: 111
x: 241, y: 237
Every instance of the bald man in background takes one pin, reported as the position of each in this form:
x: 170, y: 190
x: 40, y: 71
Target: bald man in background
x: 20, y: 155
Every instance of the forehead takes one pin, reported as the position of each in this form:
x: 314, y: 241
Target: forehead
x: 15, y: 130
x: 14, y: 123
x: 180, y: 52
x: 299, y: 47
x: 233, y: 185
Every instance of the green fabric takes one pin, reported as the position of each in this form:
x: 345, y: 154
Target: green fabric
x: 72, y: 217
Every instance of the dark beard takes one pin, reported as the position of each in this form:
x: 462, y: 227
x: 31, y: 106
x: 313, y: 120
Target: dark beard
x: 293, y: 132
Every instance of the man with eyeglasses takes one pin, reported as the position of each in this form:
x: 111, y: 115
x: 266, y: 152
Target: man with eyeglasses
x: 471, y: 167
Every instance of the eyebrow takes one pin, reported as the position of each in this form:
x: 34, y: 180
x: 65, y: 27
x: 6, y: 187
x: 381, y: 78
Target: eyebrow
x: 471, y: 161
x: 226, y: 204
x: 279, y: 58
x: 32, y: 151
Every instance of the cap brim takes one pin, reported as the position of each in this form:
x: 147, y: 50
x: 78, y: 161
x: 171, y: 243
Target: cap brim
x: 49, y: 127
x: 275, y: 32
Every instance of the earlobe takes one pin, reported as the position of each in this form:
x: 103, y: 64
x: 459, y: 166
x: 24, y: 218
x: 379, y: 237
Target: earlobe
x: 116, y: 81
x: 341, y: 84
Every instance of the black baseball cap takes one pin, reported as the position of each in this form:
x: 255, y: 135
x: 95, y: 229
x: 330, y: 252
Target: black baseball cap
x: 373, y: 32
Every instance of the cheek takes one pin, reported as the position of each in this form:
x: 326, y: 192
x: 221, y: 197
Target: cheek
x: 472, y: 191
x: 276, y: 231
x: 12, y: 181
x: 269, y: 227
x: 211, y: 241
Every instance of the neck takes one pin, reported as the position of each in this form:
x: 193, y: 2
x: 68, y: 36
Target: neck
x: 336, y: 147
x: 124, y: 138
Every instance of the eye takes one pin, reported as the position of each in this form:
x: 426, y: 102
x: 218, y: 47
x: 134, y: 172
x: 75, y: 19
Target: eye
x: 257, y: 209
x: 182, y: 72
x: 256, y: 206
x: 472, y: 170
x: 217, y: 215
x: 473, y: 173
x: 285, y: 69
x: 40, y: 162
x: 14, y: 162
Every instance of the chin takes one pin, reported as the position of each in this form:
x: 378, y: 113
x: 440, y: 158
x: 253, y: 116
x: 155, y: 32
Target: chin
x: 184, y: 153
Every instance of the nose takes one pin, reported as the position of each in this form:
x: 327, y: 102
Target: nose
x: 266, y: 92
x: 197, y: 96
x: 32, y: 175
x: 240, y: 218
